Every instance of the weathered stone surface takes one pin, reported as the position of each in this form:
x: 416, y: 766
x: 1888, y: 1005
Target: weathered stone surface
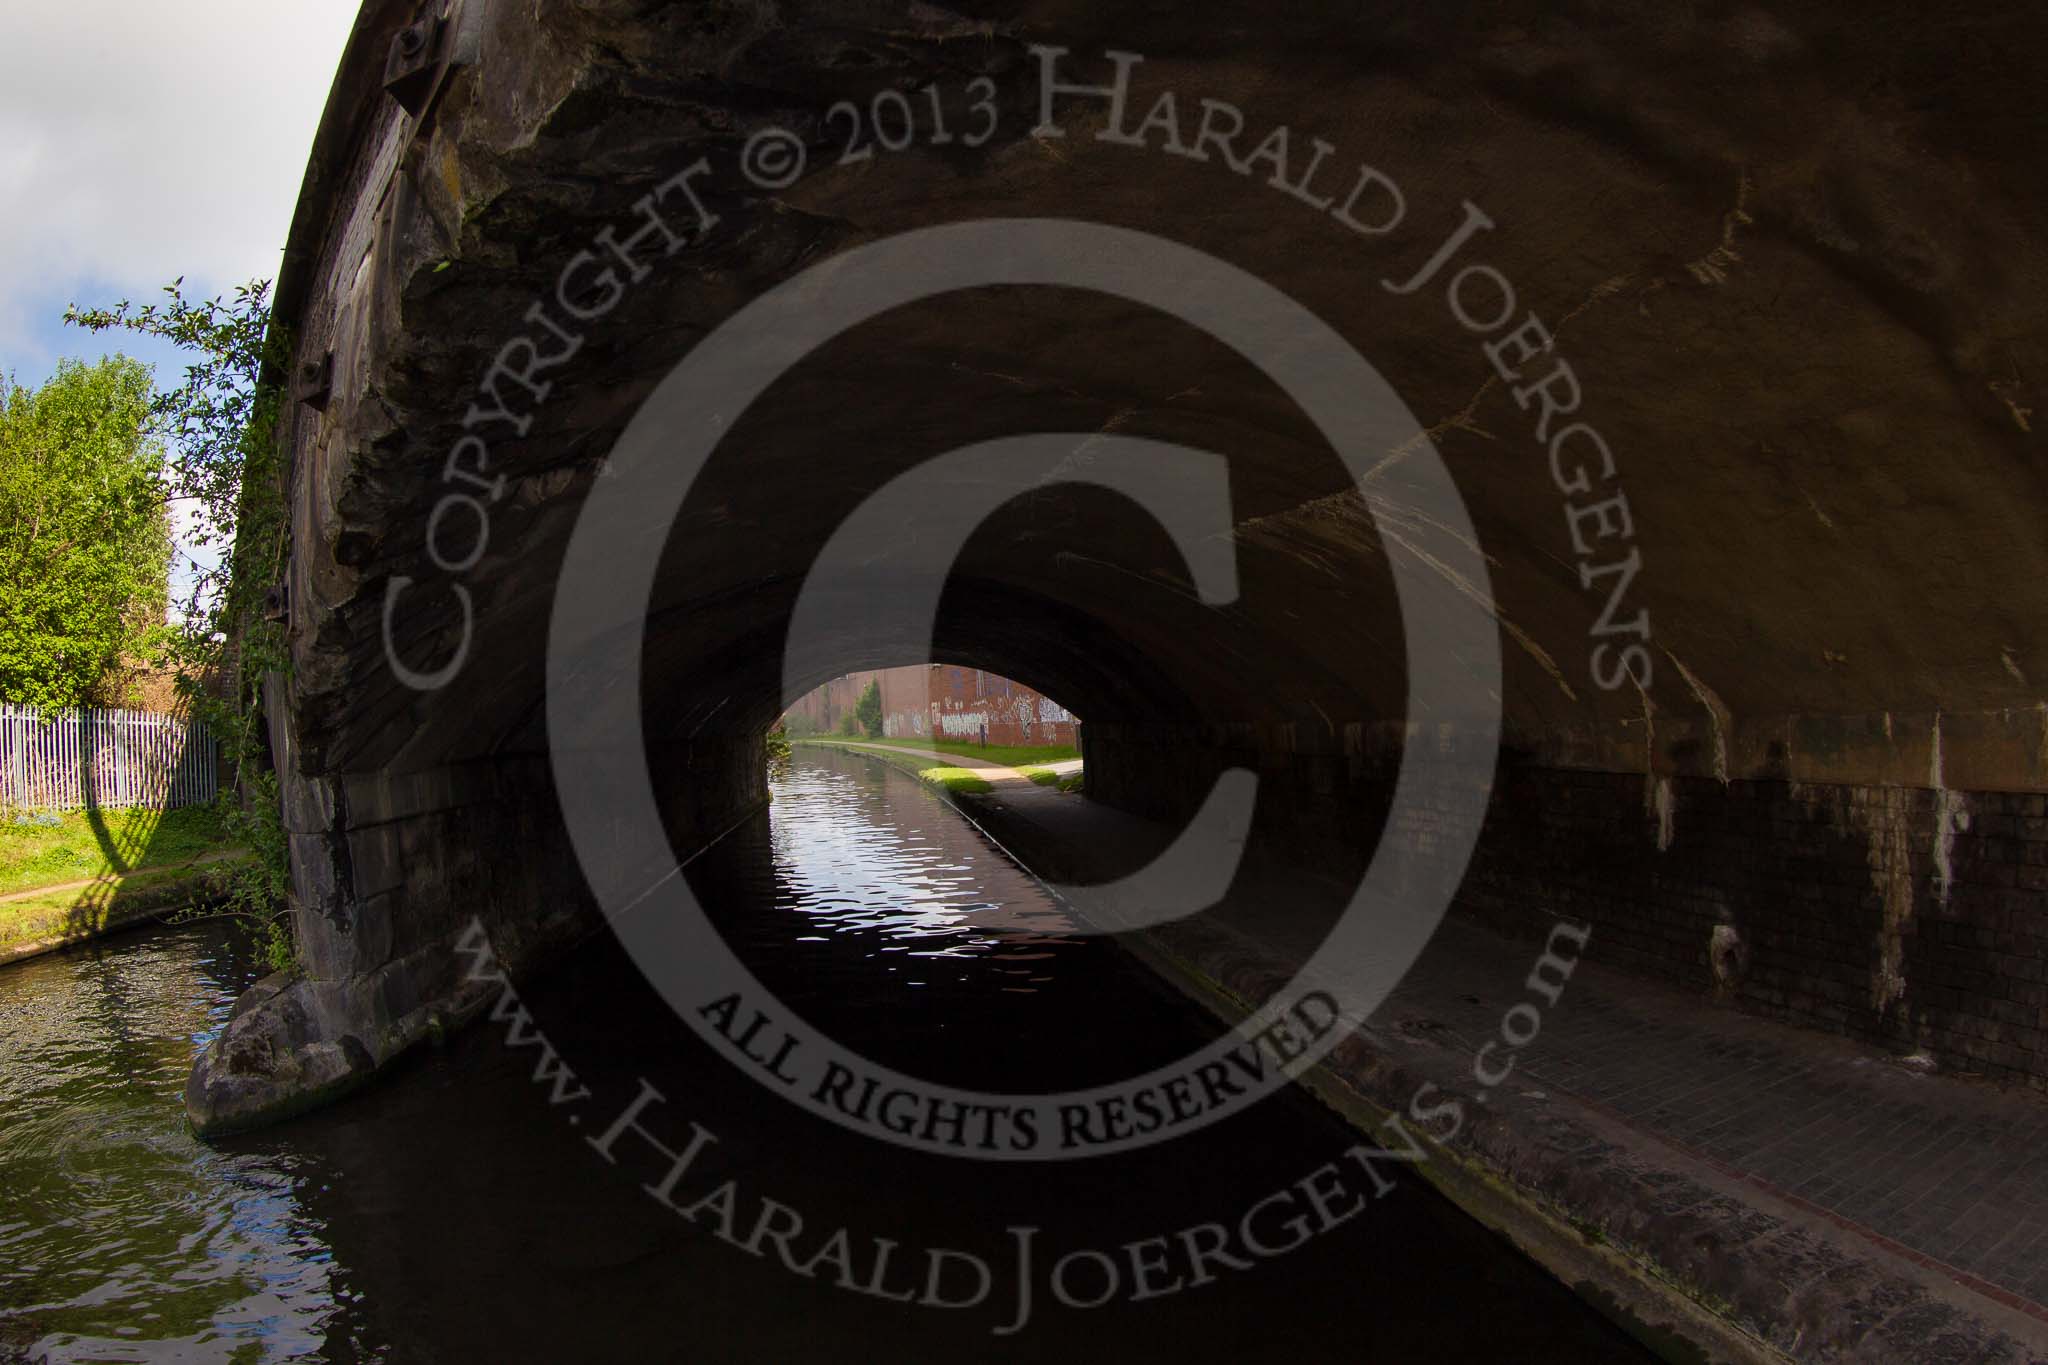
x: 384, y: 899
x: 1793, y: 251
x: 284, y: 1051
x: 1793, y: 254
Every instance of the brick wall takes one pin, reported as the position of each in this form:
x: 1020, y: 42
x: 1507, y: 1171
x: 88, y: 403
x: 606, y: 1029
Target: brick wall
x: 1904, y: 916
x: 947, y: 700
x: 822, y: 706
x: 1908, y: 916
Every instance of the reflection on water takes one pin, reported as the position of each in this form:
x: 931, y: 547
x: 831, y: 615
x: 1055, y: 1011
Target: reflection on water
x: 870, y: 907
x: 857, y: 855
x: 447, y: 1214
x: 121, y: 1237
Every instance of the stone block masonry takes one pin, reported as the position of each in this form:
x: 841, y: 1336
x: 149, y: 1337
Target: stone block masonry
x: 388, y: 872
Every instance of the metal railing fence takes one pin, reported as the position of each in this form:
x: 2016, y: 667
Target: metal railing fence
x: 63, y: 760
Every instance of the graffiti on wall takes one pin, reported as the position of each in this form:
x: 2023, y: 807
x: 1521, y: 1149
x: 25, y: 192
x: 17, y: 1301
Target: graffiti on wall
x: 946, y: 701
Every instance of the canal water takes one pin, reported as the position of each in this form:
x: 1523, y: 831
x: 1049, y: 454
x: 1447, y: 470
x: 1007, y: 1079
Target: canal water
x: 452, y: 1213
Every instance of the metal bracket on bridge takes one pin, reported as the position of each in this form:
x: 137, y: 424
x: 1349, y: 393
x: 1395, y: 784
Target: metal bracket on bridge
x: 316, y: 381
x: 415, y: 57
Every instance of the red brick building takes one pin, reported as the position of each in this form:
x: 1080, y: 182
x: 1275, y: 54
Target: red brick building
x: 943, y: 700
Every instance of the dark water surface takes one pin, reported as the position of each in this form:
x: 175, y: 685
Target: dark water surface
x: 452, y: 1213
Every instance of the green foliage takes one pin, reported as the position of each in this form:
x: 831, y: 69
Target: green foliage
x: 258, y: 892
x: 221, y: 429
x: 849, y: 724
x: 777, y: 745
x: 85, y: 540
x: 209, y: 423
x: 869, y: 709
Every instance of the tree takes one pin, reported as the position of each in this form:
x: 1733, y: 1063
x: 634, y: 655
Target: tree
x: 221, y: 463
x: 221, y: 426
x: 85, y: 541
x: 869, y: 709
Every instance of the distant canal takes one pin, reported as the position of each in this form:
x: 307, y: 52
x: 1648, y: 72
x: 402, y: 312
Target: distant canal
x: 450, y: 1214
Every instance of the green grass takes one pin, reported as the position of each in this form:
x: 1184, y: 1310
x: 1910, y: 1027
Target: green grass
x: 1027, y: 760
x: 1046, y: 777
x: 1009, y: 755
x: 88, y: 910
x: 78, y: 845
x: 960, y: 781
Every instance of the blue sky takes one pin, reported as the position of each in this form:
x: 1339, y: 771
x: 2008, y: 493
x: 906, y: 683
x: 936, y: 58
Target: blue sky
x: 141, y: 140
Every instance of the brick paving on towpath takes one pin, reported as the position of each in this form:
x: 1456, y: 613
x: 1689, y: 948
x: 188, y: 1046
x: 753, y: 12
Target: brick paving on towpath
x: 1948, y: 1171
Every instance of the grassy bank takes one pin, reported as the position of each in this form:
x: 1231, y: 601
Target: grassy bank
x: 33, y: 922
x: 77, y: 845
x: 1009, y: 755
x: 1046, y: 777
x: 960, y: 781
x: 71, y: 875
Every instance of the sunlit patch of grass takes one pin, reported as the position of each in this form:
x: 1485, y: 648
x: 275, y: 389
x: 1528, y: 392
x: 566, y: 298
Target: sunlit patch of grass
x: 1008, y: 755
x: 69, y: 848
x: 84, y: 911
x: 960, y: 781
x: 1048, y: 777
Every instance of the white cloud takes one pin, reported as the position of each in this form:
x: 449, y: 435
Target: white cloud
x: 141, y: 140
